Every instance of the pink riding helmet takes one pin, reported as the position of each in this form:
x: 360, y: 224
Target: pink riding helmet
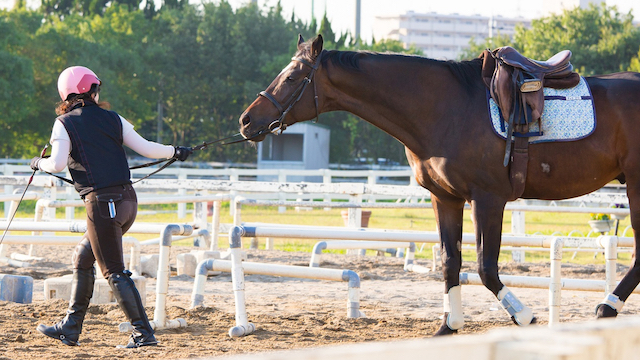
x: 76, y: 80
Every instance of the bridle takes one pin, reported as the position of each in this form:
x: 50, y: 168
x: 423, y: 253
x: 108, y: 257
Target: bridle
x: 284, y: 108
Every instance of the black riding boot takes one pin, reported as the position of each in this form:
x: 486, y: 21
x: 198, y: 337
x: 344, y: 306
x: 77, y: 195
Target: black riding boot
x: 69, y: 328
x: 124, y: 289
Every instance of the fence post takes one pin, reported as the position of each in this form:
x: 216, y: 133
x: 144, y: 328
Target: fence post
x: 69, y: 212
x: 555, y: 284
x: 372, y: 179
x: 610, y: 244
x: 50, y: 192
x: 517, y: 228
x: 233, y: 177
x: 282, y: 178
x: 215, y: 224
x: 326, y: 179
x: 200, y: 218
x: 182, y: 207
x: 354, y: 220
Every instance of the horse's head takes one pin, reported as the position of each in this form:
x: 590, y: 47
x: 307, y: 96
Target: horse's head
x: 288, y: 98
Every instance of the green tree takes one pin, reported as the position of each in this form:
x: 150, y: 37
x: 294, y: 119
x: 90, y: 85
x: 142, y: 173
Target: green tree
x: 635, y: 63
x: 16, y: 89
x: 327, y: 32
x: 475, y: 49
x: 601, y: 39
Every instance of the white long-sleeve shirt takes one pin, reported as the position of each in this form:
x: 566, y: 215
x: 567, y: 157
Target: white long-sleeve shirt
x: 61, y: 146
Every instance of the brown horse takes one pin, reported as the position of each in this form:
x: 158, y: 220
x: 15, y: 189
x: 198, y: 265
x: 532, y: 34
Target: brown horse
x: 438, y: 111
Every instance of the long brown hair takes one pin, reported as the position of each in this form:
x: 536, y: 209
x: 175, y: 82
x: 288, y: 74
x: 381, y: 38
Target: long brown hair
x: 65, y: 106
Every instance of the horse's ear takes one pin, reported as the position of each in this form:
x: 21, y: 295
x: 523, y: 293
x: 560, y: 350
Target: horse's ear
x: 316, y: 46
x: 300, y: 40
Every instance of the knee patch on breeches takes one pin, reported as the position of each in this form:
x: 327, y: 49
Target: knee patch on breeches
x: 83, y: 255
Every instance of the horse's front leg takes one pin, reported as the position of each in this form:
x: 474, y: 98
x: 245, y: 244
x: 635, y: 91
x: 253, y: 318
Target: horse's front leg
x: 613, y: 303
x: 488, y: 212
x: 449, y: 214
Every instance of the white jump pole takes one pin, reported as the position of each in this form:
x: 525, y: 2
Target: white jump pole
x: 319, y: 247
x: 78, y: 226
x: 535, y: 282
x: 198, y: 233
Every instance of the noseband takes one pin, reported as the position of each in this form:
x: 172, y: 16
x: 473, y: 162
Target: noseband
x: 284, y: 109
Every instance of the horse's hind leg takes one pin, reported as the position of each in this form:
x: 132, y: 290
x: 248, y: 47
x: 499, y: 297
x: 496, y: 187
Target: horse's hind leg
x: 488, y: 212
x: 449, y: 214
x: 612, y: 303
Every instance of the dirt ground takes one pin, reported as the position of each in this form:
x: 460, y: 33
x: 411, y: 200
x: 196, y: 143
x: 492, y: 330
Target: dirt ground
x: 288, y: 313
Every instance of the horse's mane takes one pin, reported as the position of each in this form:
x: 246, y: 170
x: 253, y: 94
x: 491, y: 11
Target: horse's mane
x: 467, y: 72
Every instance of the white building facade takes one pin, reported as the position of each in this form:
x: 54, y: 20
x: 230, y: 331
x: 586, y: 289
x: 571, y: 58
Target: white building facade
x: 443, y: 36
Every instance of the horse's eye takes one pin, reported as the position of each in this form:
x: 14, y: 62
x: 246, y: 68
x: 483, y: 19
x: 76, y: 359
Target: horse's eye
x: 290, y: 79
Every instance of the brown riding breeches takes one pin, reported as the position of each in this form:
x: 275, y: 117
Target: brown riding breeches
x: 110, y: 213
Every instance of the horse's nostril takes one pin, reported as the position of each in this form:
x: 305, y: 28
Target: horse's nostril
x: 246, y: 120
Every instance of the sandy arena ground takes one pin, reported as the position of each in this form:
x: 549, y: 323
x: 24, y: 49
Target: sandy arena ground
x: 288, y: 313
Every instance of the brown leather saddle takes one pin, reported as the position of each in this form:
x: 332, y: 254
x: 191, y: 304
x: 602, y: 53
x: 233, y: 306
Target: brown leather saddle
x: 515, y: 83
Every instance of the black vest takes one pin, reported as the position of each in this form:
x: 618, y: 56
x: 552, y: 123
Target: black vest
x: 97, y: 157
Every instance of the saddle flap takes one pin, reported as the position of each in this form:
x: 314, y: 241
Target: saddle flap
x: 502, y: 89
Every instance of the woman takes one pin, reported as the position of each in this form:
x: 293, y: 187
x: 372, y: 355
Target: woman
x: 89, y: 140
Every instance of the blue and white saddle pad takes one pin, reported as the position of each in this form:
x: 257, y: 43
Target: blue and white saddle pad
x: 568, y: 115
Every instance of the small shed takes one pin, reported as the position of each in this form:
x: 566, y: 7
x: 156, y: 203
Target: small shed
x: 303, y: 146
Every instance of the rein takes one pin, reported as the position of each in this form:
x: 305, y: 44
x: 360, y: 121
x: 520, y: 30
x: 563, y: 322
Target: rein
x: 284, y: 109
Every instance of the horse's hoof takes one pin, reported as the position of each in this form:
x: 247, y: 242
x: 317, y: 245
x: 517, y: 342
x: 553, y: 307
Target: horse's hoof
x: 534, y: 320
x: 605, y: 311
x: 445, y: 329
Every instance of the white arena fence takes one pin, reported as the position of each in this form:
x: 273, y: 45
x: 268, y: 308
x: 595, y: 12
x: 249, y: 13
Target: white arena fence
x: 355, y: 192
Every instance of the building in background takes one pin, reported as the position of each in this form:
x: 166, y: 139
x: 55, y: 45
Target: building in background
x: 303, y: 146
x: 443, y: 36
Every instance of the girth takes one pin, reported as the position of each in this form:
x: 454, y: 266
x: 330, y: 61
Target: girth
x: 516, y: 85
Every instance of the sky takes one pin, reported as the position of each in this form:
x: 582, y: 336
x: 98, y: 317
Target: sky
x: 341, y: 13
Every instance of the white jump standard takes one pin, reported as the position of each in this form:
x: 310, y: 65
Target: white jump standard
x: 162, y: 285
x: 238, y: 268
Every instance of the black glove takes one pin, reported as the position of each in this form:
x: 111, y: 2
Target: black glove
x: 34, y: 163
x: 182, y: 153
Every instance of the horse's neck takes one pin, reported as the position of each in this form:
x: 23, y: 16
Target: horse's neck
x: 401, y: 99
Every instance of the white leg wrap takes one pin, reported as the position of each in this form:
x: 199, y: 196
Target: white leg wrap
x: 510, y: 303
x: 453, y: 306
x: 613, y: 301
